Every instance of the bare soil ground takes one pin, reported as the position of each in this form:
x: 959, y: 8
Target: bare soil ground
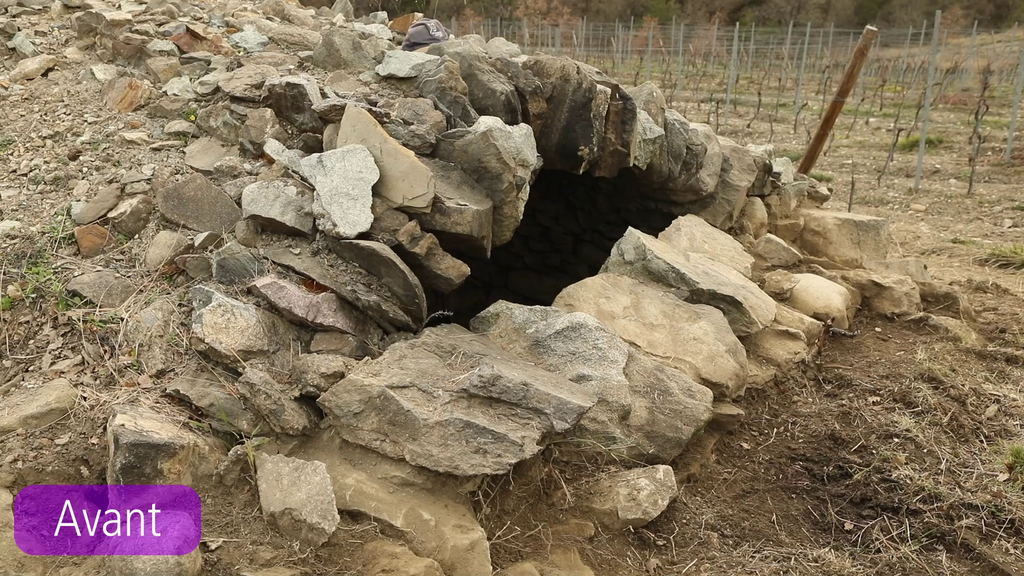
x: 889, y: 456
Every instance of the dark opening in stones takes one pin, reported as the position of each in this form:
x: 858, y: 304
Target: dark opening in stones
x: 568, y: 229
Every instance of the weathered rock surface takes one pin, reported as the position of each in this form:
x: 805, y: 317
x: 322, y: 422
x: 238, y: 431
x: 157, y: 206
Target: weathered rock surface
x: 775, y: 251
x: 297, y: 498
x: 469, y: 393
x: 234, y: 332
x: 692, y: 234
x: 889, y: 294
x: 355, y: 285
x: 822, y: 299
x: 131, y: 216
x: 103, y: 202
x: 444, y: 86
x: 151, y: 332
x: 325, y: 310
x: 197, y: 204
x: 275, y: 403
x: 234, y: 264
x: 645, y: 411
x: 31, y: 408
x: 390, y: 559
x: 428, y: 509
x: 202, y: 155
x: 281, y: 205
x: 343, y: 179
x: 104, y: 288
x: 164, y: 248
x: 93, y: 240
x: 148, y: 448
x: 33, y: 67
x: 293, y: 98
x: 697, y: 279
x: 381, y: 262
x: 632, y: 498
x: 503, y: 160
x: 462, y: 214
x: 405, y: 182
x: 490, y: 93
x: 843, y: 237
x: 744, y: 173
x: 246, y: 82
x: 693, y: 338
x: 400, y: 64
x: 345, y: 49
x: 214, y: 396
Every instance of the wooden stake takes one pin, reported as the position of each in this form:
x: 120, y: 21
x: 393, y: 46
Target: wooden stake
x: 860, y: 54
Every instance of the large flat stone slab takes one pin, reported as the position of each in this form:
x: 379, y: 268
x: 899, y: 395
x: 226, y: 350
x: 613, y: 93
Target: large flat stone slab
x: 453, y: 402
x: 696, y: 278
x: 693, y: 338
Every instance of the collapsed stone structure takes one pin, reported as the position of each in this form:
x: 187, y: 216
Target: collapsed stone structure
x: 618, y: 274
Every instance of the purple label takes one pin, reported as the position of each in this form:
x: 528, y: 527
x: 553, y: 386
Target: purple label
x: 107, y: 520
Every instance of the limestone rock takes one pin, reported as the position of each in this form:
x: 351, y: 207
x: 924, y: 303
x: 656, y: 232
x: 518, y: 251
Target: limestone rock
x: 234, y: 264
x: 753, y: 219
x: 148, y: 448
x: 260, y: 125
x: 314, y: 374
x: 444, y: 86
x: 343, y: 179
x: 405, y: 182
x: 33, y: 67
x: 690, y: 164
x: 490, y: 93
x: 775, y: 251
x: 190, y: 564
x: 462, y: 214
x: 293, y: 98
x: 212, y: 394
x: 234, y: 332
x: 691, y: 234
x: 31, y: 408
x: 588, y: 122
x: 401, y: 64
x: 275, y: 403
x: 743, y: 173
x: 503, y: 160
x: 103, y: 202
x: 645, y: 411
x: 913, y: 268
x: 889, y: 294
x: 822, y: 299
x: 632, y: 498
x: 383, y: 263
x: 219, y: 122
x: 499, y: 47
x: 436, y: 268
x: 297, y: 498
x: 345, y: 49
x: 150, y: 333
x: 131, y: 216
x: 246, y: 82
x: 485, y: 395
x: 343, y: 344
x: 93, y: 240
x: 843, y: 237
x: 355, y: 285
x: 428, y: 509
x: 197, y: 204
x: 164, y: 248
x: 202, y: 155
x: 105, y: 288
x: 693, y: 338
x: 282, y: 205
x: 125, y: 94
x: 390, y: 559
x: 697, y: 279
x: 324, y: 310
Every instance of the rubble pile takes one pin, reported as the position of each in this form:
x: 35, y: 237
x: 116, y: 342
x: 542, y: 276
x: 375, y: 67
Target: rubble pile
x: 323, y: 200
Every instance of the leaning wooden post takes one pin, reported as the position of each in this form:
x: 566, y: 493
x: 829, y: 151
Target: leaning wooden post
x: 860, y: 54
